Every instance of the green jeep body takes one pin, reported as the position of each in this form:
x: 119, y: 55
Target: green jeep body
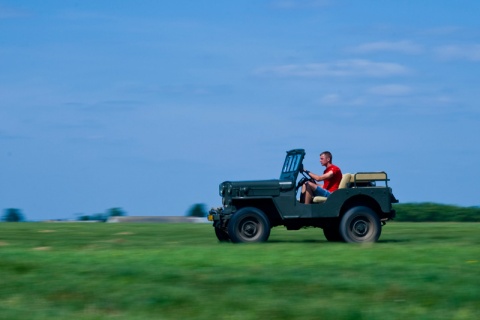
x: 353, y: 213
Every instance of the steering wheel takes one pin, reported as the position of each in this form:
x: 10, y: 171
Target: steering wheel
x: 305, y: 178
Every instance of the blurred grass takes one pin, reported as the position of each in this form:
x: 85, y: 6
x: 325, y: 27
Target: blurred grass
x: 180, y: 271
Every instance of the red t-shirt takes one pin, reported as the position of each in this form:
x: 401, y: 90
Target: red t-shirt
x: 332, y: 183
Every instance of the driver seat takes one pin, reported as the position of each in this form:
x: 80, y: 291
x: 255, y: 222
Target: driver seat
x: 346, y: 177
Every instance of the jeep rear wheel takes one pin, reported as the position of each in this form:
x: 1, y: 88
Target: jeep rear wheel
x: 332, y: 234
x: 249, y: 225
x: 360, y: 224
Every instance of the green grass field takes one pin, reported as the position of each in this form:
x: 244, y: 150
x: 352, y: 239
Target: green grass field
x: 180, y: 271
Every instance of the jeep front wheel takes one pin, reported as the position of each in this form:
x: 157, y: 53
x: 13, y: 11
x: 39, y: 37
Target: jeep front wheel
x: 360, y: 224
x: 249, y: 225
x: 222, y: 235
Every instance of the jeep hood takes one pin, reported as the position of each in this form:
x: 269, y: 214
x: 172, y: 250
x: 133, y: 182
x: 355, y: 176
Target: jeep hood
x: 256, y: 188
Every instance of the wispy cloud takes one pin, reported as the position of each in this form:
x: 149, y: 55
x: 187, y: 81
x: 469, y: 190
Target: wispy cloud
x: 342, y: 68
x: 329, y: 99
x: 390, y: 90
x: 459, y: 52
x: 405, y: 46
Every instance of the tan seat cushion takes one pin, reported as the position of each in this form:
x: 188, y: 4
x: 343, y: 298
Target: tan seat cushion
x: 343, y: 184
x: 319, y: 199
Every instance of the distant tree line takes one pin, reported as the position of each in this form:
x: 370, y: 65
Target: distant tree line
x: 434, y: 212
x: 113, y: 212
x: 198, y: 210
x: 16, y: 215
x: 408, y: 212
x: 12, y: 215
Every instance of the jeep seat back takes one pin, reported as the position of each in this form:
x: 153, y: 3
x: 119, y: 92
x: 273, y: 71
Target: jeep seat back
x: 346, y: 178
x: 362, y: 177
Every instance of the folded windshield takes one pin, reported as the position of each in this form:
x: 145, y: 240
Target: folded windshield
x: 291, y: 163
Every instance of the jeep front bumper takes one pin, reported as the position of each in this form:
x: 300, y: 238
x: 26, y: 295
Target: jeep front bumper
x: 214, y: 214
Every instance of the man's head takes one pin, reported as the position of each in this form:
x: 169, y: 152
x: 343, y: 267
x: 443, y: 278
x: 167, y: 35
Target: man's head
x: 325, y: 158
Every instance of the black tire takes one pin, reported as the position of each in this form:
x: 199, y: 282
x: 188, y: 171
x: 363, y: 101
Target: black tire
x: 249, y: 225
x: 360, y: 224
x: 332, y: 234
x: 222, y: 235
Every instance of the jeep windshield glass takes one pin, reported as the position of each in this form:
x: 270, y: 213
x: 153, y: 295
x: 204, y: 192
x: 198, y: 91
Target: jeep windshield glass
x: 291, y: 163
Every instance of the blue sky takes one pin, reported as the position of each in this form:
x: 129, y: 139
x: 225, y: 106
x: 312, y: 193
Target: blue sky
x: 149, y: 105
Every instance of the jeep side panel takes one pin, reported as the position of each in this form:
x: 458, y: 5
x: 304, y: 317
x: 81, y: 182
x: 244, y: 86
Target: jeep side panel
x: 337, y: 202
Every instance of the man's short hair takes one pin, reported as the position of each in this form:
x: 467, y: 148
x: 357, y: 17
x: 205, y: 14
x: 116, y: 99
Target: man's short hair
x: 328, y: 154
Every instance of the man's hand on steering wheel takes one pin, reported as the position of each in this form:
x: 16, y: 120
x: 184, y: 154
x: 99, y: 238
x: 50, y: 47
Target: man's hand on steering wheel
x: 306, y: 174
x: 306, y: 177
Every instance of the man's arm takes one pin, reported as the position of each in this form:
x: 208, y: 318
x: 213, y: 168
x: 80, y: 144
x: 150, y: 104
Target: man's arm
x: 325, y: 176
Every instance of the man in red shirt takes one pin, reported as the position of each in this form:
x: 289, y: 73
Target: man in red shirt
x: 331, y: 178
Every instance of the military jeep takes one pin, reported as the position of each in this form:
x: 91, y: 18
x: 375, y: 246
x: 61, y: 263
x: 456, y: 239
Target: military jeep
x: 353, y: 213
